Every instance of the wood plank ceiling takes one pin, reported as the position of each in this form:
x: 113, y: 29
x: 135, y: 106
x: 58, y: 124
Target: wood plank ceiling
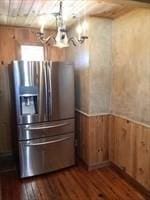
x: 30, y: 13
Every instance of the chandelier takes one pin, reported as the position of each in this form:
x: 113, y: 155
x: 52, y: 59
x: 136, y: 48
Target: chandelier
x: 60, y: 38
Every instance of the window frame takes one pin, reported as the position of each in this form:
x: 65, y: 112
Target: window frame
x: 19, y: 44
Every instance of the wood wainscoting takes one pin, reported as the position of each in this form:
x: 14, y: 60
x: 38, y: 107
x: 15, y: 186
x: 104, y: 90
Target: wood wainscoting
x: 92, y: 136
x: 106, y: 138
x: 129, y: 148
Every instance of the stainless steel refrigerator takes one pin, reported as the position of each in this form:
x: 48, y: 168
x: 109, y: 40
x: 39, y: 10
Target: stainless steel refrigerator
x: 44, y: 107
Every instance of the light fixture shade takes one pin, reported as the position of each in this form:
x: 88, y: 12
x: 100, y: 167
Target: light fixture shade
x: 61, y: 39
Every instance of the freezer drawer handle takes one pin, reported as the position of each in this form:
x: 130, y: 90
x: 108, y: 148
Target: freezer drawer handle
x: 46, y: 127
x: 49, y: 142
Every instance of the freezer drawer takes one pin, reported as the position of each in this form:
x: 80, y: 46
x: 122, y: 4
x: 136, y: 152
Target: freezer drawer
x: 45, y: 155
x: 32, y: 131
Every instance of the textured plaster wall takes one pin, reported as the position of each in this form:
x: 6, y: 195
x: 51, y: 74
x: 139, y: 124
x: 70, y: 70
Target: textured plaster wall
x: 131, y: 66
x: 100, y: 40
x: 112, y: 68
x: 92, y: 63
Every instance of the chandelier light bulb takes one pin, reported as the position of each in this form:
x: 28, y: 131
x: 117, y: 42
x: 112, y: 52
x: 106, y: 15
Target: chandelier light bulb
x: 42, y: 22
x: 79, y: 29
x: 42, y: 28
x: 85, y: 27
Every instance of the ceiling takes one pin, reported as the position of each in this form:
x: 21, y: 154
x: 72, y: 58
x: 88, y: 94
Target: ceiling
x: 31, y: 13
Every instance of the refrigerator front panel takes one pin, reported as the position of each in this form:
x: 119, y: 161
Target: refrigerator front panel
x: 47, y: 129
x: 30, y: 86
x: 61, y: 91
x: 46, y: 154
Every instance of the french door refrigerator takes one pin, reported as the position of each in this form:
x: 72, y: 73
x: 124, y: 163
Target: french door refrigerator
x: 44, y: 107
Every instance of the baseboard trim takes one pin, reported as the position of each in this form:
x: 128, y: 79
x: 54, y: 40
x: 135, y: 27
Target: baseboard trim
x: 94, y: 166
x: 99, y: 165
x: 131, y: 180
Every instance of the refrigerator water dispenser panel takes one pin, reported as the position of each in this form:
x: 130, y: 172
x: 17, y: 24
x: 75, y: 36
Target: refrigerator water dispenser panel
x: 28, y: 105
x: 28, y: 100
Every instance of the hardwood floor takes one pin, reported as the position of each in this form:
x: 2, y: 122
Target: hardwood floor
x: 74, y: 183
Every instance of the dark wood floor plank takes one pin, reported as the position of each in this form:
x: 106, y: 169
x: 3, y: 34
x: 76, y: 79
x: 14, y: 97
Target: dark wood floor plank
x: 118, y: 182
x: 44, y: 189
x: 74, y: 192
x: 18, y: 186
x: 29, y: 190
x: 75, y: 186
x: 58, y: 189
x: 92, y: 191
x: 83, y: 185
x: 74, y: 183
x: 36, y: 190
x: 123, y: 195
x: 104, y: 191
x: 5, y: 189
x: 10, y: 184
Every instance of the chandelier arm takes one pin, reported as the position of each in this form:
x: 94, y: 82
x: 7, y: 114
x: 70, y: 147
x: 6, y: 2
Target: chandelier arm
x: 76, y: 41
x: 73, y: 40
x: 46, y: 40
x: 83, y: 38
x: 50, y: 38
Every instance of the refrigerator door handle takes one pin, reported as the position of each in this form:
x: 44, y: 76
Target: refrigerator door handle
x: 49, y: 142
x: 46, y: 89
x: 48, y: 65
x: 46, y: 127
